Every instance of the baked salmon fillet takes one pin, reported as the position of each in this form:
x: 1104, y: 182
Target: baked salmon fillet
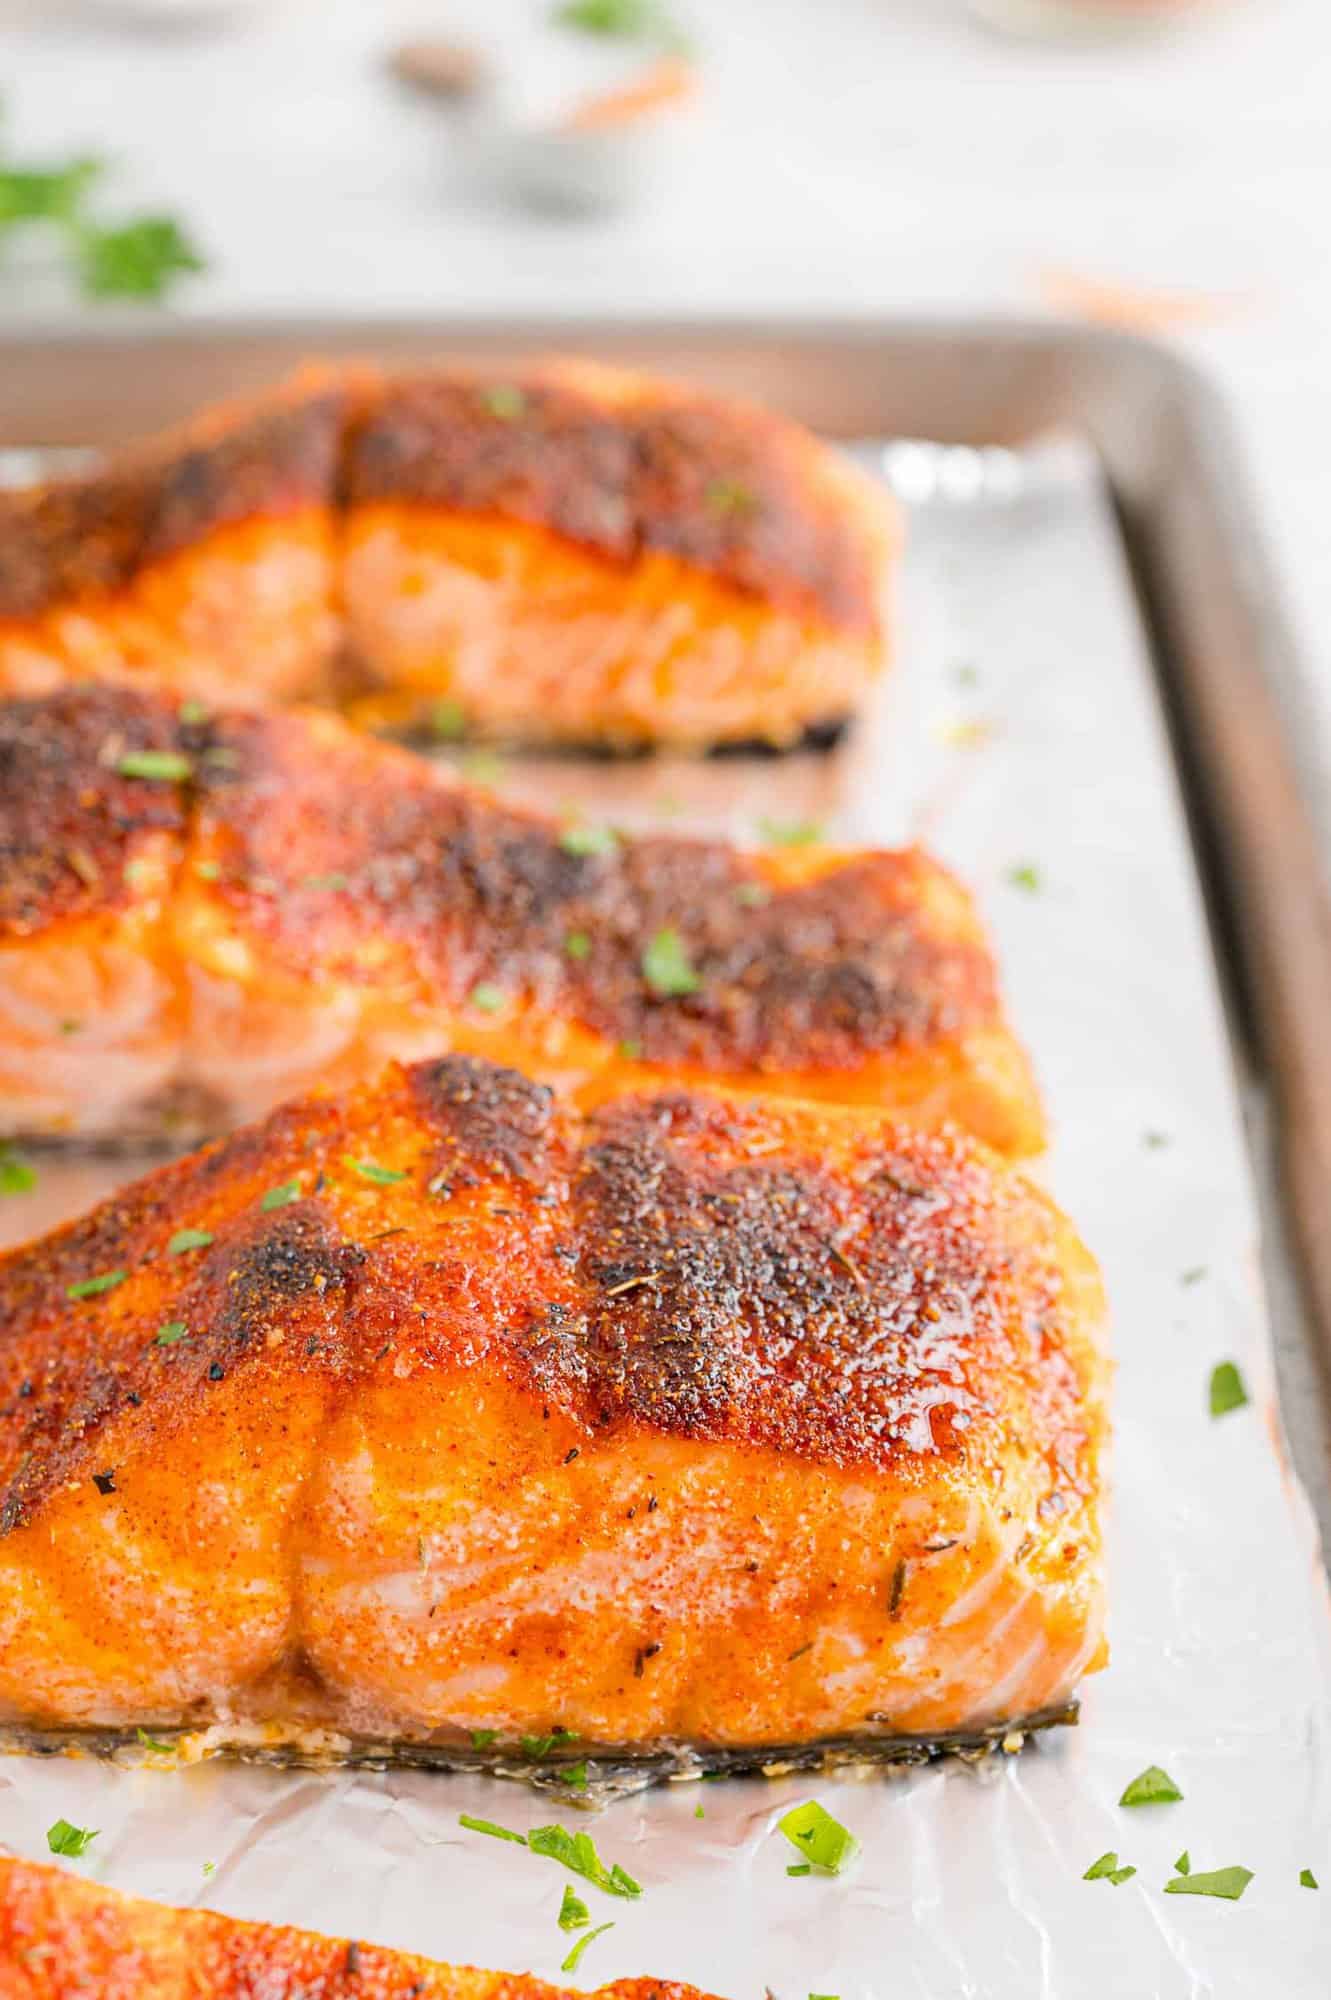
x: 450, y: 1423
x: 202, y: 563
x: 66, y: 1939
x: 202, y: 913
x: 567, y: 553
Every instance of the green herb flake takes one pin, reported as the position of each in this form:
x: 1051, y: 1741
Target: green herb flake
x: 325, y: 884
x: 730, y: 497
x: 16, y: 1176
x: 541, y: 1746
x: 573, y: 1912
x: 279, y: 1197
x: 753, y: 895
x: 62, y: 1838
x: 483, y: 767
x: 578, y: 945
x: 1183, y: 1866
x: 370, y: 1170
x: 626, y: 20
x: 790, y: 832
x: 192, y: 713
x: 574, y: 1959
x: 155, y: 1743
x: 1099, y: 1869
x: 91, y: 1288
x: 630, y: 1051
x: 208, y: 1868
x: 166, y: 766
x: 799, y: 1868
x: 1193, y: 1276
x: 447, y: 721
x: 589, y: 840
x: 1307, y: 1880
x: 577, y: 1852
x: 138, y: 260
x: 208, y: 871
x: 189, y: 1239
x: 46, y: 194
x: 698, y: 1813
x: 168, y: 1335
x: 1026, y: 876
x: 666, y: 966
x: 1227, y: 1389
x: 481, y: 1739
x: 486, y: 998
x: 1155, y: 1142
x: 489, y: 1826
x: 1226, y: 1883
x: 1152, y: 1787
x: 505, y: 401
x: 824, y: 1843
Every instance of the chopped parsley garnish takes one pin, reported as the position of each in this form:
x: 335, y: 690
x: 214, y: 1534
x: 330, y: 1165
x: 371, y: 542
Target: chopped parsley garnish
x: 208, y: 871
x: 325, y: 884
x: 505, y: 401
x: 136, y: 261
x: 91, y: 1288
x: 573, y: 1912
x: 753, y: 894
x: 62, y: 1838
x: 1307, y: 1880
x: 1194, y: 1276
x: 278, y: 1197
x: 1227, y: 1389
x: 189, y: 1239
x: 208, y: 1868
x: 589, y: 840
x: 630, y: 1051
x: 46, y: 194
x: 447, y: 721
x: 541, y: 1746
x: 483, y: 767
x: 576, y: 1851
x: 575, y: 1775
x: 574, y: 1959
x: 790, y: 832
x: 370, y: 1170
x: 730, y: 496
x: 825, y: 1844
x: 1106, y: 1869
x: 698, y: 1813
x: 16, y: 1176
x: 799, y: 1868
x: 155, y: 1743
x: 481, y: 1739
x: 168, y: 1335
x: 1025, y: 875
x: 578, y: 945
x: 191, y: 713
x: 1183, y: 1866
x: 170, y: 766
x: 1152, y: 1787
x: 486, y: 998
x: 488, y: 1826
x: 1227, y: 1883
x: 1155, y: 1141
x: 627, y: 20
x: 666, y: 966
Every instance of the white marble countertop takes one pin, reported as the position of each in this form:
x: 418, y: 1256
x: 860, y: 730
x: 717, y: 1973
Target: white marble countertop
x: 862, y: 156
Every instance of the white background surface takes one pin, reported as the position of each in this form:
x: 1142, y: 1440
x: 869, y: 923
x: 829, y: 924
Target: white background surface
x: 845, y: 155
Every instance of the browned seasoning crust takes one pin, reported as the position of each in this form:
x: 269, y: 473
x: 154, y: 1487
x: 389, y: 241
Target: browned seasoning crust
x: 89, y: 536
x: 322, y: 846
x: 66, y: 1939
x: 814, y: 1283
x: 722, y: 486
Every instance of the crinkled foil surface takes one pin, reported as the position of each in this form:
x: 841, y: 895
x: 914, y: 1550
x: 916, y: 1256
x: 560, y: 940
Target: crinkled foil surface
x: 1021, y: 732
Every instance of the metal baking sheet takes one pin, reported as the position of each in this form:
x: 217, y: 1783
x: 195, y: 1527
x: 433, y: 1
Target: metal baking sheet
x: 1023, y: 731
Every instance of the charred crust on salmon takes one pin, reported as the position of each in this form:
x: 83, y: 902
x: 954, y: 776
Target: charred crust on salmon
x: 89, y: 536
x: 721, y: 1283
x: 724, y: 489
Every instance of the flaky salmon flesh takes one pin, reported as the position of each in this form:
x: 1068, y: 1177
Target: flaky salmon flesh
x: 683, y: 1426
x: 65, y: 1939
x: 567, y: 553
x: 202, y: 913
